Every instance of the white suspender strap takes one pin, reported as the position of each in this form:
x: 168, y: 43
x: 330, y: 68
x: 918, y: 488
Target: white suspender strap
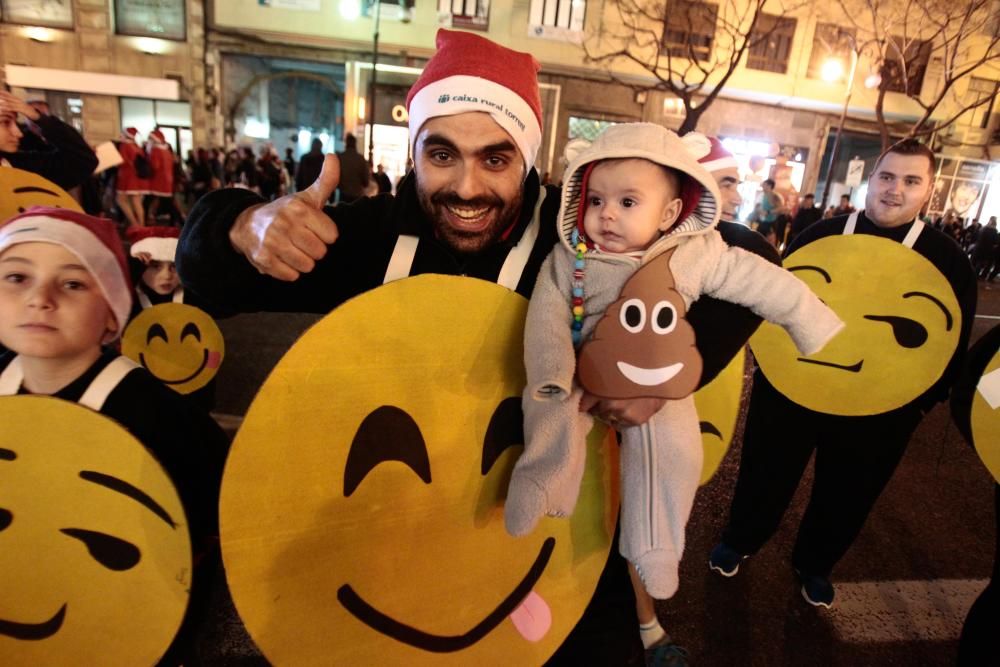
x: 852, y: 222
x: 11, y: 378
x: 517, y: 258
x: 911, y: 236
x: 908, y: 240
x: 402, y: 258
x: 105, y: 382
x: 143, y: 299
x: 178, y: 295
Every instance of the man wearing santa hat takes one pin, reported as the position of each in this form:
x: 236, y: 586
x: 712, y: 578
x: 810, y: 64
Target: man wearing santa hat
x: 473, y: 205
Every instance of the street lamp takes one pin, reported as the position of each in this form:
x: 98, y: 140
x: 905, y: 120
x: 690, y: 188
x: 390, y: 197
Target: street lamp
x: 831, y: 71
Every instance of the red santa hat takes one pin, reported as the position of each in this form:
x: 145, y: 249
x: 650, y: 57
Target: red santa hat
x: 709, y: 152
x: 471, y: 73
x: 94, y: 241
x: 158, y: 137
x: 160, y: 243
x: 129, y: 133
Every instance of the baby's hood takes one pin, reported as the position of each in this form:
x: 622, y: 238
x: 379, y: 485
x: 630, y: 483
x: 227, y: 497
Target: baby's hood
x: 650, y: 142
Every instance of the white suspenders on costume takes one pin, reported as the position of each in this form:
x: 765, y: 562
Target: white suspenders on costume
x: 403, y: 253
x: 144, y: 301
x: 908, y: 241
x: 95, y: 395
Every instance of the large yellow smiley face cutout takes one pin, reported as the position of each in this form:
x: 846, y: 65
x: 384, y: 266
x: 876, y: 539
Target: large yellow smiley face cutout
x: 94, y: 546
x: 903, y: 323
x: 362, y: 503
x: 718, y: 405
x: 985, y: 417
x: 179, y: 344
x: 20, y: 190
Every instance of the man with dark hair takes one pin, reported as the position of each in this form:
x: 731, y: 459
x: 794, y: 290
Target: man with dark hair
x: 856, y: 404
x: 805, y: 216
x: 355, y: 174
x: 767, y: 211
x: 845, y: 206
x: 309, y: 166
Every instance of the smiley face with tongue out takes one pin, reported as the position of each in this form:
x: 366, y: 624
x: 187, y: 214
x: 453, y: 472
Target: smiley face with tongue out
x: 362, y: 505
x: 179, y: 344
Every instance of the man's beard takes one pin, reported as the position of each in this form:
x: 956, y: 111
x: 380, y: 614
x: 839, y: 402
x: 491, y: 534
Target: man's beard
x: 505, y: 214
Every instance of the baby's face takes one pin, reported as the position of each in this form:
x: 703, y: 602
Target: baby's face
x: 50, y: 305
x: 161, y: 277
x: 630, y: 203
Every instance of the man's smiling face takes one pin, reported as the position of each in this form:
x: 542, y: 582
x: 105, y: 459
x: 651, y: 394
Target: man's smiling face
x: 470, y: 179
x: 898, y: 189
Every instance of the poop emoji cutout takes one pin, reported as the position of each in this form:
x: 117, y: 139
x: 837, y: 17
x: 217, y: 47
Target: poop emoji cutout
x: 643, y: 346
x: 362, y: 504
x: 902, y: 321
x: 94, y: 545
x: 20, y: 190
x: 179, y: 344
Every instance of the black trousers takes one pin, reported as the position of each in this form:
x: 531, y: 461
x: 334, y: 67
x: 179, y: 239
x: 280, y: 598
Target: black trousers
x: 979, y: 643
x: 855, y: 458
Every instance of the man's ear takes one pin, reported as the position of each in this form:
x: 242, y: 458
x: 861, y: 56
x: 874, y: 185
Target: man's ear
x: 111, y: 328
x: 670, y: 213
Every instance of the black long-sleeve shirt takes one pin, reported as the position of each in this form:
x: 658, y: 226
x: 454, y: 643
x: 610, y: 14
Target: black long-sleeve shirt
x: 67, y: 160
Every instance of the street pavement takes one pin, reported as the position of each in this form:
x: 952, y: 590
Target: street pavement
x: 903, y: 589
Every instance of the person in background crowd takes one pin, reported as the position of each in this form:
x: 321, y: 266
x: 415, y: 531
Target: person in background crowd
x: 382, y: 180
x: 132, y: 182
x: 269, y: 173
x: 985, y: 248
x: 845, y: 206
x: 290, y: 166
x: 805, y: 216
x: 246, y: 170
x: 309, y: 167
x: 59, y: 154
x: 354, y: 171
x: 161, y: 184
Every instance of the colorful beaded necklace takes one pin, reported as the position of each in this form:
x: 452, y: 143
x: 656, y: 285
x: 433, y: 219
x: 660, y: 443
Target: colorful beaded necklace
x: 577, y: 326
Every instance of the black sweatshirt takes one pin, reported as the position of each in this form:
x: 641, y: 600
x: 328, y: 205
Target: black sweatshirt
x: 67, y: 161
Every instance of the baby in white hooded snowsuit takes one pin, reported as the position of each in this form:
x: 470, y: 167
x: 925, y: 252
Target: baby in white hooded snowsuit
x: 638, y: 247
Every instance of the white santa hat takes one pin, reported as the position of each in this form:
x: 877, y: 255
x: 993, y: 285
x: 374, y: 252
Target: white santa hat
x: 160, y: 243
x: 94, y: 241
x: 471, y: 73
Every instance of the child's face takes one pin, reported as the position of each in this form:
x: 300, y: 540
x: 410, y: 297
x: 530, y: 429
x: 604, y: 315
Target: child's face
x: 161, y: 277
x: 630, y: 203
x: 51, y: 307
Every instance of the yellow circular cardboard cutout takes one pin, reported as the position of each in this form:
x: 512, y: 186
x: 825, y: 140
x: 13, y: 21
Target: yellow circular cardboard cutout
x: 362, y: 502
x: 179, y: 344
x: 985, y: 417
x: 94, y: 546
x: 903, y: 323
x: 20, y: 190
x: 718, y: 405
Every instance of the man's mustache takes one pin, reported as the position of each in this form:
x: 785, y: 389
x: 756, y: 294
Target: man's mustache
x: 451, y: 199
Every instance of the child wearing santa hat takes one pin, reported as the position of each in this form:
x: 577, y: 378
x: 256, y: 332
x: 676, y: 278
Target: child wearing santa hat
x: 64, y: 295
x: 156, y: 280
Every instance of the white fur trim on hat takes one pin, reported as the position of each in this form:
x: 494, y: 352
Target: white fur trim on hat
x: 159, y: 248
x: 96, y: 257
x: 460, y: 94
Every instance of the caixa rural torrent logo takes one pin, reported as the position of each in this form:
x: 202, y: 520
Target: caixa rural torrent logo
x: 493, y: 106
x: 443, y: 99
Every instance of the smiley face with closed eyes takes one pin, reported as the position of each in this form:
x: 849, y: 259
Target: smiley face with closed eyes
x: 179, y: 344
x: 362, y: 505
x: 903, y: 325
x: 94, y: 545
x: 20, y: 190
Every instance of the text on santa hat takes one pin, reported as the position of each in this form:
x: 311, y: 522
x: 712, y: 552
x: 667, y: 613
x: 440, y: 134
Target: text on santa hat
x: 444, y: 99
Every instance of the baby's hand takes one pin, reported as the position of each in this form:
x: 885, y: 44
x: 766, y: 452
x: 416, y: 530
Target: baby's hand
x: 621, y: 413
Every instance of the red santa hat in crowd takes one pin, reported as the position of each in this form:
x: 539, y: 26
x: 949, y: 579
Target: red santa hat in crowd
x: 157, y: 137
x: 471, y: 73
x: 94, y: 241
x: 160, y: 243
x: 129, y: 133
x: 709, y: 152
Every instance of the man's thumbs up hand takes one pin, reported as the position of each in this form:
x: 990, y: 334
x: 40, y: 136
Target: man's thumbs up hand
x: 286, y: 237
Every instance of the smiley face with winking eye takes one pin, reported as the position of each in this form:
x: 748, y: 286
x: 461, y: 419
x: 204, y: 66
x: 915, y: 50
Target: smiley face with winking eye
x: 179, y: 344
x: 903, y: 326
x: 94, y: 546
x: 362, y: 504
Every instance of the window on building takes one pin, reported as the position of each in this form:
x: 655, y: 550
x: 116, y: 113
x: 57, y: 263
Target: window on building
x: 399, y: 9
x: 689, y: 29
x: 165, y: 19
x: 771, y: 43
x: 908, y: 79
x: 37, y: 13
x: 831, y: 41
x: 587, y: 128
x: 981, y: 89
x: 556, y: 18
x: 468, y: 14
